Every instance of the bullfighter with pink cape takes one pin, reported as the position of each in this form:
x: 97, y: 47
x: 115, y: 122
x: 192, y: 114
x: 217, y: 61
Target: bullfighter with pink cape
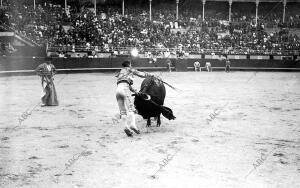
x: 46, y: 71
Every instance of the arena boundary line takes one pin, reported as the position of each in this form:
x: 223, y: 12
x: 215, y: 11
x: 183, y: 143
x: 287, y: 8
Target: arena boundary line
x: 74, y: 70
x: 71, y: 69
x: 80, y: 70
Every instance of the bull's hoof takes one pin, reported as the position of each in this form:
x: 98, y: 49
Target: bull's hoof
x: 158, y: 122
x: 148, y: 122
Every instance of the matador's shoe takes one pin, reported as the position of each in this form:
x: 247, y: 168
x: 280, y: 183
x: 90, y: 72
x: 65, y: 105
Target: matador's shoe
x: 128, y: 132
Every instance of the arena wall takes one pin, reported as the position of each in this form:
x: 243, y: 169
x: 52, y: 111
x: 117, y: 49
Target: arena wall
x: 20, y: 64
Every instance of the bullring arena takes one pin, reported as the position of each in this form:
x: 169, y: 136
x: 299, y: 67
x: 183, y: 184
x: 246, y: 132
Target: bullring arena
x: 258, y: 114
x: 231, y: 73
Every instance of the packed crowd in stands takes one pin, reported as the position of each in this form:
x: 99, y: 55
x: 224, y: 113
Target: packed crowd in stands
x: 109, y: 31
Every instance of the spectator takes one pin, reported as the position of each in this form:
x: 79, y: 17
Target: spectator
x: 197, y: 66
x: 227, y: 66
x: 208, y: 67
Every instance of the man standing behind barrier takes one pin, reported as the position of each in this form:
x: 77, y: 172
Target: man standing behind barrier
x: 46, y: 71
x: 227, y: 68
x: 208, y: 67
x: 197, y: 66
x: 169, y: 63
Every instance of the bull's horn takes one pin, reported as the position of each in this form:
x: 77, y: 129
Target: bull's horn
x: 148, y: 97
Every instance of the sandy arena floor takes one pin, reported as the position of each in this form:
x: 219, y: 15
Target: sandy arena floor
x: 253, y: 141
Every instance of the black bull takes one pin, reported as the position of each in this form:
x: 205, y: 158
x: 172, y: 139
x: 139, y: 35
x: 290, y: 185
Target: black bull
x: 150, y: 99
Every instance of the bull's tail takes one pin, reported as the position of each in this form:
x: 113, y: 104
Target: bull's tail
x: 167, y: 113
